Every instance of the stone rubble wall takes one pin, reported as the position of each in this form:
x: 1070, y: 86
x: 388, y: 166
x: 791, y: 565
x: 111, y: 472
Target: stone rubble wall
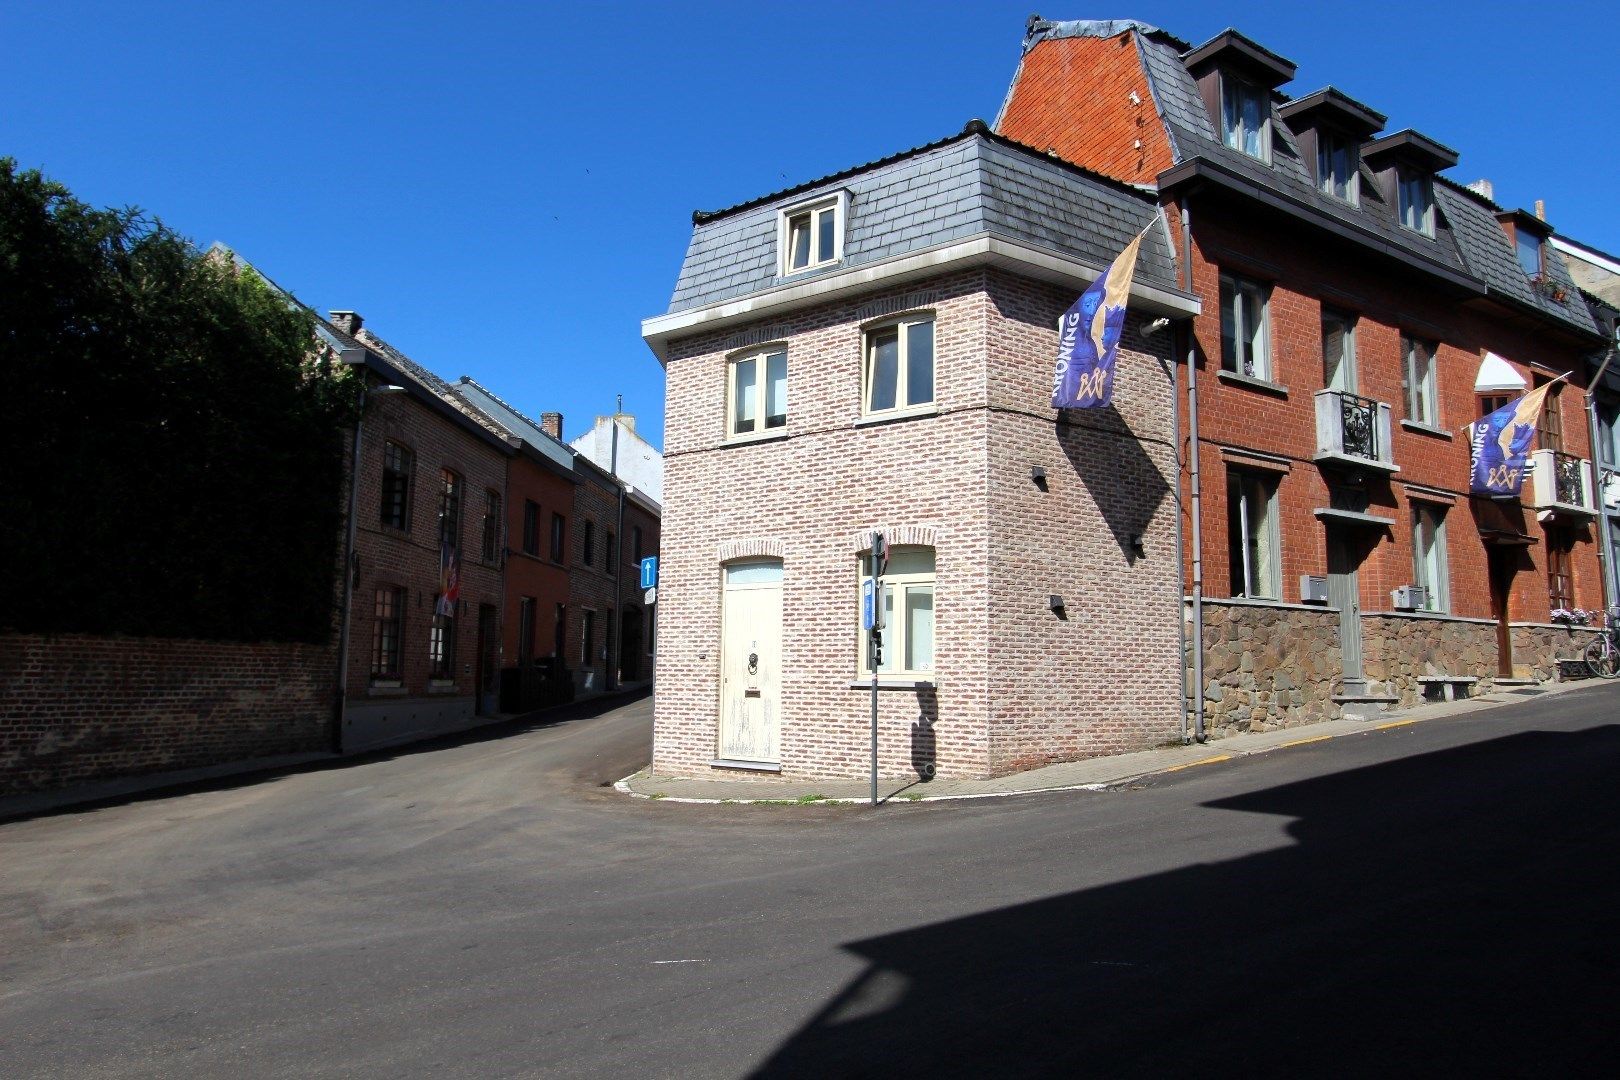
x: 1268, y: 667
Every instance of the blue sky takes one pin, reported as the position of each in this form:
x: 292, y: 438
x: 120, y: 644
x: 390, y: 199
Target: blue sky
x: 505, y: 190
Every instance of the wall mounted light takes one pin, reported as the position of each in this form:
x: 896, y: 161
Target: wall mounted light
x: 1134, y: 540
x: 1055, y: 602
x: 1037, y: 476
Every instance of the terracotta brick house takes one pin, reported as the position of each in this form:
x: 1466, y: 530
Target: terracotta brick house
x: 1359, y: 310
x: 873, y: 351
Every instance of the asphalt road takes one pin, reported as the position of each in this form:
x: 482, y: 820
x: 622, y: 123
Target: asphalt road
x: 1438, y: 898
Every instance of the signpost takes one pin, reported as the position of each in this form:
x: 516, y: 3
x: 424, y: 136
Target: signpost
x: 872, y: 621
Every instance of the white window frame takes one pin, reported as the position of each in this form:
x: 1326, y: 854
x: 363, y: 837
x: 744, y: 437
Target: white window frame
x: 1233, y: 89
x: 1429, y: 565
x: 1408, y: 181
x: 836, y: 204
x: 902, y: 377
x: 1262, y: 487
x: 1422, y: 389
x: 1235, y: 288
x: 1327, y: 140
x: 759, y: 391
x: 896, y: 630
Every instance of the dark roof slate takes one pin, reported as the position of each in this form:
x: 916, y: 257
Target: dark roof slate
x: 974, y: 183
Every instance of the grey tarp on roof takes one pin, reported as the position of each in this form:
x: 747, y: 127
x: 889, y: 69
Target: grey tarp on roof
x: 969, y: 186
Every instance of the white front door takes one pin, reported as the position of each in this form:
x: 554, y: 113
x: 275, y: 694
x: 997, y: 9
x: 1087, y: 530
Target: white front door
x: 750, y: 662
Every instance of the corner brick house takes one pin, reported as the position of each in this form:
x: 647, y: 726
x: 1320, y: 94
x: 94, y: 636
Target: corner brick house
x: 1359, y: 310
x: 874, y: 351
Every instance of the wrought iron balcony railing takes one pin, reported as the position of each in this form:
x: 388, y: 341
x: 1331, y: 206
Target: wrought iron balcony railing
x: 1561, y: 481
x: 1353, y: 430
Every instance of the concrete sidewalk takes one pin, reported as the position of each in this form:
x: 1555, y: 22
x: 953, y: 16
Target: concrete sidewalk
x: 1093, y: 774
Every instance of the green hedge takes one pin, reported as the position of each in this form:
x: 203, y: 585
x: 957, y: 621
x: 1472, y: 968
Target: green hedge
x: 172, y: 453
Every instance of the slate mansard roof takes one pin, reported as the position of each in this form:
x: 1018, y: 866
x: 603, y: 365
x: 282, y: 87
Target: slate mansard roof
x: 972, y: 184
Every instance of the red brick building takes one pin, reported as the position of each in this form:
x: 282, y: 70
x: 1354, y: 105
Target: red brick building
x: 1359, y: 310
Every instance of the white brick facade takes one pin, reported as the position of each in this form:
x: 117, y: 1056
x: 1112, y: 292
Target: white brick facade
x: 1015, y: 684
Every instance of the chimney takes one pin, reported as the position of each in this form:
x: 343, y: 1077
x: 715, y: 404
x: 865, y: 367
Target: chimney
x: 551, y: 424
x: 347, y: 321
x: 1541, y: 210
x: 1485, y: 188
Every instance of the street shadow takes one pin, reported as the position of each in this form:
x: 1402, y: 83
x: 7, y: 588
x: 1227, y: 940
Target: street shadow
x: 69, y: 801
x: 1451, y: 913
x: 923, y: 744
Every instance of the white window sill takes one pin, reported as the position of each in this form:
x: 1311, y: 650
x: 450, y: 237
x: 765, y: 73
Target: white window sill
x: 1253, y: 383
x: 915, y: 412
x: 892, y: 683
x: 1426, y: 429
x: 386, y: 689
x: 441, y: 686
x: 768, y: 435
x: 789, y: 275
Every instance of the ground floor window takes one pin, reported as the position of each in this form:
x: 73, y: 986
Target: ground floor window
x: 587, y: 641
x: 526, y: 629
x: 386, y: 633
x: 1429, y: 555
x: 442, y: 646
x: 1560, y: 579
x: 1253, y: 542
x: 908, y: 613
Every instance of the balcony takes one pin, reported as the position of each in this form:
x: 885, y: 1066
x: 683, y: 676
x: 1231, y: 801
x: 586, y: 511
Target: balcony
x: 1353, y: 432
x: 1561, y: 483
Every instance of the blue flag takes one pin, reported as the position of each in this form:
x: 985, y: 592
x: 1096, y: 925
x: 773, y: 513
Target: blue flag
x: 1500, y: 444
x: 1088, y: 336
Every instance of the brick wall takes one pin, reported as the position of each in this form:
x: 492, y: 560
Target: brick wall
x: 409, y: 559
x: 591, y: 585
x: 1014, y: 684
x: 75, y: 708
x: 535, y: 576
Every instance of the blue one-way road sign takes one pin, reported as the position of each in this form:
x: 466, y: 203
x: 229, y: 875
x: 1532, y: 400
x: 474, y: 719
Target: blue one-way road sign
x: 649, y: 572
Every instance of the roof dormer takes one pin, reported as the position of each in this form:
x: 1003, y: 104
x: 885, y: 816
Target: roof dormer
x: 1236, y: 78
x: 1404, y: 164
x: 1528, y: 234
x: 1330, y: 127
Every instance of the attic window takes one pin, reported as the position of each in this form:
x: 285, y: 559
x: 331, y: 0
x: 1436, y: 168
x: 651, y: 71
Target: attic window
x: 1416, y: 201
x: 811, y: 234
x: 1337, y: 171
x: 1528, y: 246
x: 1245, y: 117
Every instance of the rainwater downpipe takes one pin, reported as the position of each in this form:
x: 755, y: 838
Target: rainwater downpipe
x: 1181, y: 540
x: 1197, y: 501
x: 1605, y: 537
x: 618, y: 553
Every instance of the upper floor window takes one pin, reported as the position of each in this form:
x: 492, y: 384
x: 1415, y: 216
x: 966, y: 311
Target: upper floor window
x: 757, y: 388
x: 558, y: 527
x: 635, y: 535
x: 450, y: 509
x: 1419, y: 381
x: 1550, y: 427
x: 1245, y: 327
x: 1338, y: 351
x: 492, y: 525
x: 811, y: 235
x: 1336, y: 169
x: 612, y: 551
x: 399, y: 464
x: 588, y: 540
x: 531, y: 527
x: 899, y: 366
x: 1528, y: 246
x: 1416, y: 201
x: 1245, y: 117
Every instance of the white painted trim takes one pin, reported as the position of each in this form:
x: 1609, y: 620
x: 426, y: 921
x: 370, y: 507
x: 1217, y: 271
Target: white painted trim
x: 1585, y: 254
x: 981, y: 250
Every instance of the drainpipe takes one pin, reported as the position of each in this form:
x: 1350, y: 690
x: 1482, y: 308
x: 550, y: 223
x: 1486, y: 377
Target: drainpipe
x: 1197, y: 497
x: 1605, y: 561
x: 1181, y: 540
x: 618, y: 552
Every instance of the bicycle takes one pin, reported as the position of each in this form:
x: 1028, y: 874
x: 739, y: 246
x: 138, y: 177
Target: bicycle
x: 1603, y: 653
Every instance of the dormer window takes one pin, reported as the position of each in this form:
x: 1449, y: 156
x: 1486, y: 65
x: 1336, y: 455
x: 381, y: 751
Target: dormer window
x: 1416, y: 201
x: 1246, y: 117
x: 811, y: 235
x: 1337, y: 172
x: 1528, y: 246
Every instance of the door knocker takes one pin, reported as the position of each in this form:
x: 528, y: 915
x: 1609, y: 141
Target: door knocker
x: 753, y: 663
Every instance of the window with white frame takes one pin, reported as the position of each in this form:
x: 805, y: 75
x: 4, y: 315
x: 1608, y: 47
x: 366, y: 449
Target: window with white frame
x: 757, y: 392
x: 1245, y: 327
x: 1336, y: 169
x: 1419, y: 382
x: 899, y: 368
x: 1429, y: 555
x: 1416, y: 198
x: 1246, y: 117
x: 1253, y: 541
x: 908, y: 613
x: 811, y: 235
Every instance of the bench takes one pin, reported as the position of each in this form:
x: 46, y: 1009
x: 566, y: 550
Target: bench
x: 1446, y: 687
